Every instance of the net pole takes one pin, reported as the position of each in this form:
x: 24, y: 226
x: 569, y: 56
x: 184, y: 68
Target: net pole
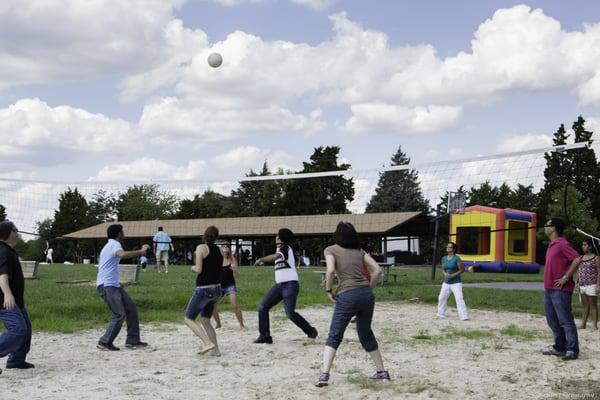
x: 435, y: 241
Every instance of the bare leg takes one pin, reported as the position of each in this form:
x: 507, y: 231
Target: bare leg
x: 202, y: 334
x: 216, y: 315
x: 212, y: 335
x: 328, y: 356
x: 376, y: 357
x: 592, y: 301
x: 235, y: 305
x: 585, y: 310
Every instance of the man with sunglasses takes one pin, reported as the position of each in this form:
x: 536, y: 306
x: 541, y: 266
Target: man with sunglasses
x: 15, y: 341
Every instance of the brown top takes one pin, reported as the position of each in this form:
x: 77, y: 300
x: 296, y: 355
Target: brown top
x: 348, y: 267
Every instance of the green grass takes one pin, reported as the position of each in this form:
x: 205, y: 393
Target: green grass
x: 55, y: 306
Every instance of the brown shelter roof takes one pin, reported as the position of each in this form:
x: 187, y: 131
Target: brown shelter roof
x: 388, y: 224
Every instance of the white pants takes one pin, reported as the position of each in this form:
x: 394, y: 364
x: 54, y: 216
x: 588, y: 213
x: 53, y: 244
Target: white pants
x: 455, y: 288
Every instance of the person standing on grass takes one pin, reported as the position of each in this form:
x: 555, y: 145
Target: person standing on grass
x: 561, y: 264
x: 209, y: 261
x: 116, y: 298
x: 286, y: 288
x: 162, y: 245
x: 144, y: 262
x: 229, y: 272
x: 353, y: 297
x: 15, y: 341
x: 589, y: 284
x: 452, y: 267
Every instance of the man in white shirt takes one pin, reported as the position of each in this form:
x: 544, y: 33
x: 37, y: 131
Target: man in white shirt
x: 286, y: 288
x: 113, y: 294
x: 49, y: 252
x: 162, y: 245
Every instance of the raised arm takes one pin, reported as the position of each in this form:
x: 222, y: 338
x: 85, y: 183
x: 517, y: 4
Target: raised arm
x: 122, y: 254
x: 267, y: 259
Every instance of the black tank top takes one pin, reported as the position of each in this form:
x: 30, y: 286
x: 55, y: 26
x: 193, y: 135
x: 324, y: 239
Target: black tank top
x: 211, y: 267
x: 227, y: 278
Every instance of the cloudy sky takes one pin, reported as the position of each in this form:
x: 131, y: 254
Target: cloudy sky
x: 116, y: 90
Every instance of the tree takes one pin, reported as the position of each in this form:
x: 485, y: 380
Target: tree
x: 556, y: 173
x: 209, y: 205
x: 145, y: 202
x: 484, y: 195
x: 102, y: 207
x: 585, y: 169
x: 257, y: 198
x: 524, y: 198
x: 2, y: 213
x: 325, y: 195
x: 72, y: 214
x: 398, y: 190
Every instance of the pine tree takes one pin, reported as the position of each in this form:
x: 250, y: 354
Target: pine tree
x: 585, y: 169
x: 398, y: 190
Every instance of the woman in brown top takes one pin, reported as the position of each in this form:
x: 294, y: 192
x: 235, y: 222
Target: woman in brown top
x: 352, y: 297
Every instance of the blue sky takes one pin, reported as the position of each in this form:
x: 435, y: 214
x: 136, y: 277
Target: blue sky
x: 113, y: 91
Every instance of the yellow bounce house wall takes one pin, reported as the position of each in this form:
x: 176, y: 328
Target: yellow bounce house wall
x: 476, y: 219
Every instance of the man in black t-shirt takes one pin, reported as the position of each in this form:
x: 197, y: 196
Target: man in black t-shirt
x: 15, y: 341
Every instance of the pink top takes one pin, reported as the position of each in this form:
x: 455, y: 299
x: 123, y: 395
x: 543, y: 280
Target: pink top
x: 559, y: 256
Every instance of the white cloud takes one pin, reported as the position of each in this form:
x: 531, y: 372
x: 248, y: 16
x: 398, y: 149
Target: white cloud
x: 252, y: 157
x: 43, y: 41
x: 389, y: 118
x: 144, y: 169
x: 318, y: 5
x: 33, y: 132
x: 528, y: 141
x: 184, y: 120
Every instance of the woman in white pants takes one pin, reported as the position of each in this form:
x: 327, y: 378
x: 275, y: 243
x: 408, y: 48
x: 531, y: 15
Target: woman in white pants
x: 452, y: 266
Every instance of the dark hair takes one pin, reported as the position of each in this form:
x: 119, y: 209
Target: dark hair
x: 558, y: 224
x: 590, y: 244
x: 345, y: 236
x: 211, y: 234
x: 285, y: 235
x: 160, y: 228
x: 6, y: 227
x: 113, y: 231
x: 453, y: 246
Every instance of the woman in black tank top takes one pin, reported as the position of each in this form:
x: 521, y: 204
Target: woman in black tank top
x: 209, y: 261
x: 228, y: 273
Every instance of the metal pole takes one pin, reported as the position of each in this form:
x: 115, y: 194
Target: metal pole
x: 435, y: 241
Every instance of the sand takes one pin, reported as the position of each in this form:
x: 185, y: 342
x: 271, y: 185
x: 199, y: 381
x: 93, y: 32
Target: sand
x: 494, y: 355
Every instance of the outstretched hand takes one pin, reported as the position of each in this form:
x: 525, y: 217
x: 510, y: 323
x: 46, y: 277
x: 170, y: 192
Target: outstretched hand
x: 145, y: 248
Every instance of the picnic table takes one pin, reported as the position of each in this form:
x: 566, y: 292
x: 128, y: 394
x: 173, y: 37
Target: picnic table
x: 385, y: 274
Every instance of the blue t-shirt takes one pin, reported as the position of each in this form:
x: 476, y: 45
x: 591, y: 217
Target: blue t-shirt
x: 450, y: 265
x: 108, y: 267
x: 162, y: 240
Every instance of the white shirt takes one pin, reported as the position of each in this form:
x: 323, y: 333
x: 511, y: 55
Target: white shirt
x: 285, y: 272
x: 108, y: 267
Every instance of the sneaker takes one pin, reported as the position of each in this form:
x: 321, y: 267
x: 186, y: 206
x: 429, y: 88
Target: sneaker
x: 553, y: 352
x: 313, y: 334
x: 323, y: 379
x: 570, y: 356
x: 135, y: 345
x: 21, y: 365
x: 381, y: 375
x: 264, y: 339
x: 107, y: 346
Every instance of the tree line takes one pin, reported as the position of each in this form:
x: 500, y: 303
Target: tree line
x: 573, y: 175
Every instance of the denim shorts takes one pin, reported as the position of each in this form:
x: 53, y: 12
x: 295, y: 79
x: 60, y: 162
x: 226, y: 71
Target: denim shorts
x: 203, y: 302
x: 226, y: 290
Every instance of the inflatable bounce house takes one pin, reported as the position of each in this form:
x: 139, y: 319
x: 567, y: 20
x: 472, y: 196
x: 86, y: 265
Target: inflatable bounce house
x: 495, y: 240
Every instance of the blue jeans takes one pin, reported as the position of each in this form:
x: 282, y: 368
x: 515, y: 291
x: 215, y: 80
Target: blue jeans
x: 16, y: 339
x: 557, y: 306
x: 288, y: 292
x: 122, y: 307
x: 203, y: 302
x: 359, y: 302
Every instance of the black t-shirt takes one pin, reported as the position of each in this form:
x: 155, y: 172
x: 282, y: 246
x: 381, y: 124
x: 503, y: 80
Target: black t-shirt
x: 211, y: 267
x: 10, y: 265
x: 227, y: 278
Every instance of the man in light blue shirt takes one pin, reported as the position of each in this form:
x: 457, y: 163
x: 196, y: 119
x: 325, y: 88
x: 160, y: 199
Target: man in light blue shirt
x: 162, y: 245
x: 113, y: 294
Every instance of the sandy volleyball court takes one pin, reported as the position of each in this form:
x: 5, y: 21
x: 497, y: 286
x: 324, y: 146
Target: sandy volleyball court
x: 494, y: 355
